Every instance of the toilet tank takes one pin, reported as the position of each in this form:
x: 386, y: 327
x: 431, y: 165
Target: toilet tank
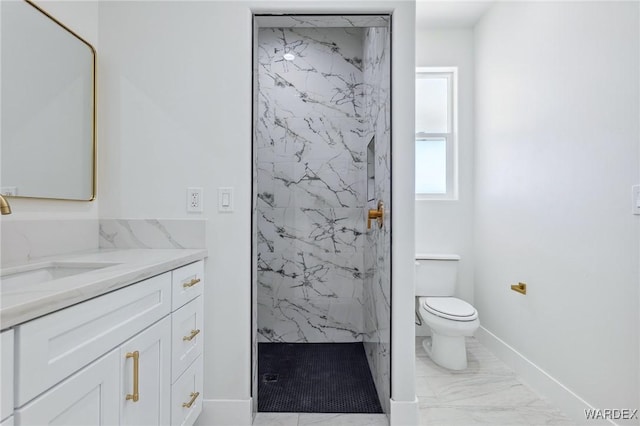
x: 436, y: 274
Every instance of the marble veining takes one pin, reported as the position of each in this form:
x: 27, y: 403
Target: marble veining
x: 311, y: 184
x: 152, y: 233
x: 18, y: 305
x: 486, y: 393
x: 322, y: 21
x: 26, y: 239
x: 377, y: 251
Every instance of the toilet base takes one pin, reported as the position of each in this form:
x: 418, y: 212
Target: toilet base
x: 446, y: 351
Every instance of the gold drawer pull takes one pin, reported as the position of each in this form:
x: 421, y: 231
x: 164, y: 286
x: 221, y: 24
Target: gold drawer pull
x: 194, y: 396
x: 193, y: 334
x: 191, y: 283
x: 136, y: 361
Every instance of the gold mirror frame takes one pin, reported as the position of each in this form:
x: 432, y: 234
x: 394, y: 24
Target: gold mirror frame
x: 94, y: 143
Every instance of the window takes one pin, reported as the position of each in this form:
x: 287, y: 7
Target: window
x: 436, y: 162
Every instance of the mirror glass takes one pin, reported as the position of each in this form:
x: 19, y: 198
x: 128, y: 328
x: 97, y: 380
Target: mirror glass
x: 47, y: 145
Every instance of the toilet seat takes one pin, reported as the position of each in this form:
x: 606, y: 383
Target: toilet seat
x: 449, y: 308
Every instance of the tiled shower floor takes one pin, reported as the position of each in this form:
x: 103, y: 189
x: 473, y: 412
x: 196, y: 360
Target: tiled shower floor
x: 487, y: 393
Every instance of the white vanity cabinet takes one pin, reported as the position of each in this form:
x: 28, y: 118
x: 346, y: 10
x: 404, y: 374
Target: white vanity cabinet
x: 6, y: 372
x: 114, y: 359
x: 89, y: 397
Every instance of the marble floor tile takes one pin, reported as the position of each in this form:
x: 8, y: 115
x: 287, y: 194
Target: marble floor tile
x: 330, y: 419
x: 482, y: 390
x: 486, y: 393
x: 276, y: 419
x: 470, y: 416
x: 424, y: 391
x: 542, y: 413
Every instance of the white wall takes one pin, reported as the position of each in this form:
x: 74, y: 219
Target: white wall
x: 557, y: 132
x: 446, y: 226
x: 82, y: 18
x: 176, y: 105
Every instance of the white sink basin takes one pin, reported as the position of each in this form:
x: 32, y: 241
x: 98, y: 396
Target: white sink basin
x: 28, y: 275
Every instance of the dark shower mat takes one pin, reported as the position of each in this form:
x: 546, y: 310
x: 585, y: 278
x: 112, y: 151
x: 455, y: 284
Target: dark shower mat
x: 315, y: 378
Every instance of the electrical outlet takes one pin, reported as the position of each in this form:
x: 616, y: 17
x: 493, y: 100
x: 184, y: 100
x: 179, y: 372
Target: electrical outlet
x: 194, y: 200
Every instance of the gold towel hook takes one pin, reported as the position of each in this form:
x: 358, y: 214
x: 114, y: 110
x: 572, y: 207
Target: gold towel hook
x: 520, y: 288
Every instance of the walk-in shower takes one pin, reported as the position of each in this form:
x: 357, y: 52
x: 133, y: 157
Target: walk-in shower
x: 321, y: 153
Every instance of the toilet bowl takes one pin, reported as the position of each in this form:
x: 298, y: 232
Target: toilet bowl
x: 450, y: 319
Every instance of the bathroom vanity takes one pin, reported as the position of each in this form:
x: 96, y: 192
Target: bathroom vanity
x: 110, y: 337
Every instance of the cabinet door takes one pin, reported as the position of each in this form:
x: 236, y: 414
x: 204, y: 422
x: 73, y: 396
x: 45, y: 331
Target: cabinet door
x: 6, y: 372
x: 89, y: 397
x: 145, y: 361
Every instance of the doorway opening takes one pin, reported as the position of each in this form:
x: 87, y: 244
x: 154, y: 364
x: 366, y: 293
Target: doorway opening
x: 321, y: 261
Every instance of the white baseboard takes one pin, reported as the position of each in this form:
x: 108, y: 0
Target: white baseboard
x: 539, y: 380
x: 225, y: 412
x: 404, y: 413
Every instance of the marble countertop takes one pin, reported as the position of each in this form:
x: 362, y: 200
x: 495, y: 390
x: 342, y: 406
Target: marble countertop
x: 22, y: 303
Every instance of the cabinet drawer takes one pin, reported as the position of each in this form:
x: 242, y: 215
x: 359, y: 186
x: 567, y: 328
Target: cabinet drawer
x: 186, y: 336
x: 6, y: 372
x: 52, y: 347
x: 186, y: 395
x: 89, y: 397
x: 188, y: 283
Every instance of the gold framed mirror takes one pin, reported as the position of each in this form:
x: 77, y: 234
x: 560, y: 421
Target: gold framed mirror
x: 48, y: 121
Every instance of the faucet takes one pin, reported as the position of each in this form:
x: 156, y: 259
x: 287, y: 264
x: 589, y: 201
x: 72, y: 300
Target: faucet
x: 5, y: 208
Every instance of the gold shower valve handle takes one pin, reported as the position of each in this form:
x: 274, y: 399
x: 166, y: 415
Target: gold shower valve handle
x: 376, y: 215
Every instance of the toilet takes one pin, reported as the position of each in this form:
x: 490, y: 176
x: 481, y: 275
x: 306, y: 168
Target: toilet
x: 450, y: 319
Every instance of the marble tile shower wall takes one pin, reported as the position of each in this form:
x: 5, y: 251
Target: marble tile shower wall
x: 377, y: 253
x: 311, y: 179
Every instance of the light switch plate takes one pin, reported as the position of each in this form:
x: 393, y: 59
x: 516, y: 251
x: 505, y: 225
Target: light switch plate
x: 635, y: 199
x: 225, y: 199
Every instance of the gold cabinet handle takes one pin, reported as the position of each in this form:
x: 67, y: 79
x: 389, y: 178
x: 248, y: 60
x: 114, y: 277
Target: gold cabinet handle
x: 191, y: 283
x: 193, y: 334
x: 194, y: 396
x: 136, y: 368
